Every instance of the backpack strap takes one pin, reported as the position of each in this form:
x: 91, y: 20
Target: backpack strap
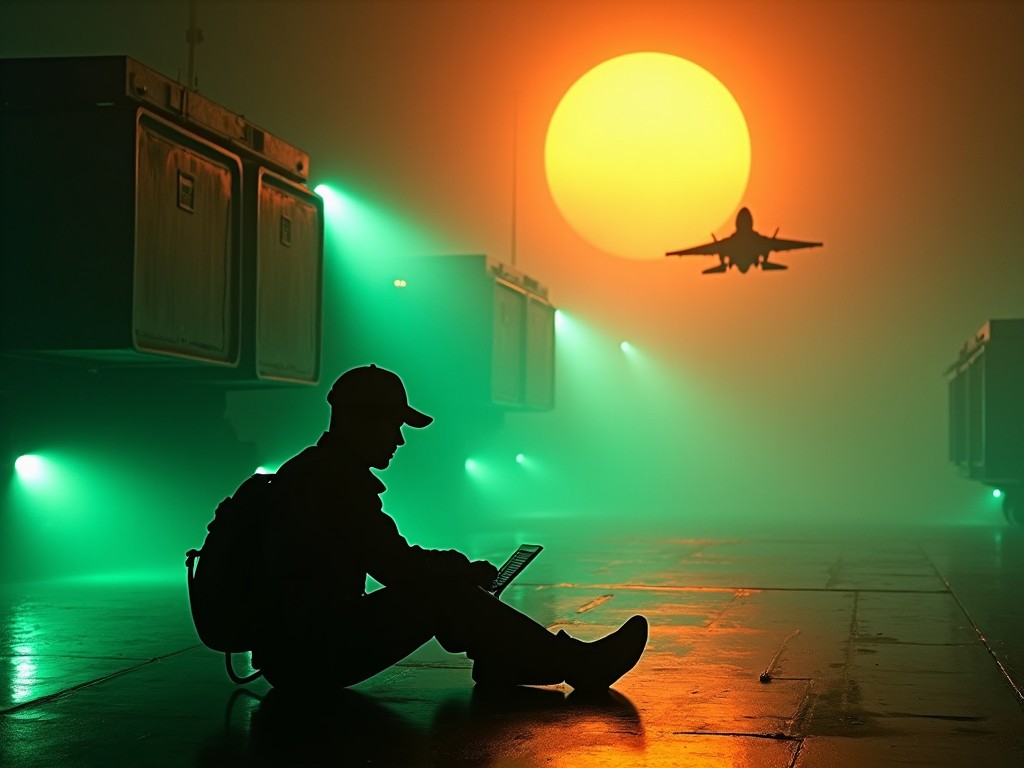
x: 235, y: 678
x: 190, y: 560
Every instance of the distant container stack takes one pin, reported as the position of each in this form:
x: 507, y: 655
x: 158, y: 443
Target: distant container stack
x: 143, y: 225
x: 986, y: 411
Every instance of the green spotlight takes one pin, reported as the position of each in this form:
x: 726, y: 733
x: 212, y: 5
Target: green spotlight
x: 332, y: 200
x: 997, y: 493
x: 520, y: 458
x: 366, y: 231
x: 337, y: 210
x: 479, y: 471
x: 399, y: 283
x: 30, y: 467
x: 569, y: 329
x: 261, y: 470
x: 625, y: 346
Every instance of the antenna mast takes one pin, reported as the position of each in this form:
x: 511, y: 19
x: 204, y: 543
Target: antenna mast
x: 194, y: 36
x: 515, y: 165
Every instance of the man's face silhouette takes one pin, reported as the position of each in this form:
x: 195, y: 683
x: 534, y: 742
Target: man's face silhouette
x: 374, y: 438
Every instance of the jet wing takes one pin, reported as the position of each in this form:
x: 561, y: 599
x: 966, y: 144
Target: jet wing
x: 775, y: 244
x: 708, y: 249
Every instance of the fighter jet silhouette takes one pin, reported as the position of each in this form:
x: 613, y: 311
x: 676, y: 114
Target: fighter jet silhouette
x: 744, y: 248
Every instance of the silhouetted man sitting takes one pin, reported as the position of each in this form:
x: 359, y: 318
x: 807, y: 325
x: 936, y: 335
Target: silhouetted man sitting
x: 327, y: 530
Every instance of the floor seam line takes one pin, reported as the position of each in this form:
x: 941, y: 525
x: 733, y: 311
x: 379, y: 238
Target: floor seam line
x: 671, y: 588
x: 771, y: 736
x: 984, y: 640
x: 68, y: 691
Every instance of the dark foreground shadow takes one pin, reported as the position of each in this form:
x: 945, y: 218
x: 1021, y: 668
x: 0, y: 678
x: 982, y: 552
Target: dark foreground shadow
x: 469, y: 727
x: 530, y: 726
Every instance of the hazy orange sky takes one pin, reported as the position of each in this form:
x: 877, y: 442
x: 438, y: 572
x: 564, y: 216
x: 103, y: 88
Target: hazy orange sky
x: 891, y: 131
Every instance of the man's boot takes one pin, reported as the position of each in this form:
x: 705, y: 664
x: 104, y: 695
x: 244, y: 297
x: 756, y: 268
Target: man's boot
x: 584, y: 666
x: 597, y: 665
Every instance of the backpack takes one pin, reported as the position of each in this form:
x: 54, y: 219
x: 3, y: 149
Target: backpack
x: 224, y: 587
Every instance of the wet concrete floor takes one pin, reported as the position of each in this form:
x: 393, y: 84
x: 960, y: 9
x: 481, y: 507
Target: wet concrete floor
x: 803, y: 650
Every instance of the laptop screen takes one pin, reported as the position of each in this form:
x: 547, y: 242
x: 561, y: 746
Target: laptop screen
x: 513, y: 567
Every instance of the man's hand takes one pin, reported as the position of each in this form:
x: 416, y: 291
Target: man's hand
x: 482, y: 573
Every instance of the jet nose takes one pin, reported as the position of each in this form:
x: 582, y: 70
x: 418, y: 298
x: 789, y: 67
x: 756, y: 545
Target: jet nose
x: 744, y: 219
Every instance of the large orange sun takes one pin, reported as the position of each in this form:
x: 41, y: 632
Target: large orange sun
x: 647, y: 153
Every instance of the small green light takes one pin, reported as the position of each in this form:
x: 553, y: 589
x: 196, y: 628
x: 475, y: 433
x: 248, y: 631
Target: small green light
x: 997, y: 493
x: 400, y: 283
x: 520, y: 458
x: 625, y: 346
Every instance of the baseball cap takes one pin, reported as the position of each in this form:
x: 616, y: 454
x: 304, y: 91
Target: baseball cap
x: 372, y: 388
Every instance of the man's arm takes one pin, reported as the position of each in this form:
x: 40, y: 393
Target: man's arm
x: 392, y: 561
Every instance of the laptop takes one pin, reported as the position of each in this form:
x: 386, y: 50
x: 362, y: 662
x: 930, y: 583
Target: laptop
x: 513, y: 567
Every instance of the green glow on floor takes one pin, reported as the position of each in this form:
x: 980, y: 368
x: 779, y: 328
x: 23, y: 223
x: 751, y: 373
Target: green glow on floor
x: 24, y: 674
x: 24, y: 627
